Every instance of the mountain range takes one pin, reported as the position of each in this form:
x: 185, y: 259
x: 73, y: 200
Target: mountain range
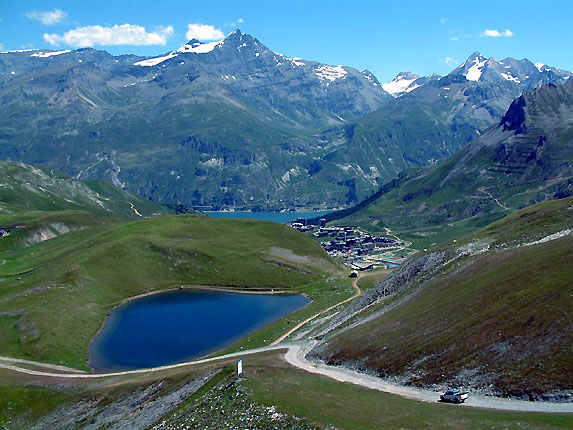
x: 233, y: 124
x: 526, y: 158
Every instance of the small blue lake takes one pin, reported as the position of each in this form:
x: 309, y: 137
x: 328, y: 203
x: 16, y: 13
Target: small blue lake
x: 181, y: 325
x: 280, y: 217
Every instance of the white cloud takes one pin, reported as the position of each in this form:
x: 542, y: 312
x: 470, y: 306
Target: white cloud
x: 454, y: 38
x: 48, y: 18
x: 240, y: 20
x: 443, y: 21
x: 203, y: 32
x: 450, y: 61
x: 1, y: 47
x: 126, y: 34
x: 496, y: 33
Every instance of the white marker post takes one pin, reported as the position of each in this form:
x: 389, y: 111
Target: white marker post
x: 240, y: 367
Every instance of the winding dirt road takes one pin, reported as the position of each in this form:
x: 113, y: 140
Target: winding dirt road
x: 494, y: 199
x: 76, y: 375
x: 296, y: 357
x: 357, y: 293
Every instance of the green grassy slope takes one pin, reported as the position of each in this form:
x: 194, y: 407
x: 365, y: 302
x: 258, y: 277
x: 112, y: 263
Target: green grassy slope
x: 25, y: 188
x: 499, y: 318
x: 54, y: 295
x: 27, y: 228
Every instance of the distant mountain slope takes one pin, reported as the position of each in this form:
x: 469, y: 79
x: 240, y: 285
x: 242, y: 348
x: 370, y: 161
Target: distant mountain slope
x: 234, y: 124
x: 526, y: 158
x: 230, y: 123
x: 39, y: 204
x: 432, y: 117
x: 25, y: 188
x: 489, y: 312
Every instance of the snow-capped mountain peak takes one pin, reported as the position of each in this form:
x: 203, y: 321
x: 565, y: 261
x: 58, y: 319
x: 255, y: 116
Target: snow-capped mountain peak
x: 404, y: 82
x: 46, y: 54
x: 194, y: 46
x: 522, y: 73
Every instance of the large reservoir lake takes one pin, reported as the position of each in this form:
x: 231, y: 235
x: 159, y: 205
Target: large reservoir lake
x: 280, y: 217
x: 181, y: 325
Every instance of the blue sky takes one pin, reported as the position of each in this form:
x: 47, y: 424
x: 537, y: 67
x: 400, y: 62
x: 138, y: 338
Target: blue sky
x: 385, y: 37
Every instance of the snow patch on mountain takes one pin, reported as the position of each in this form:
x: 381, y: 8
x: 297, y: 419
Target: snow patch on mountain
x: 395, y: 87
x: 474, y: 72
x: 540, y: 66
x: 157, y: 60
x: 191, y: 47
x: 46, y: 54
x: 297, y: 61
x: 330, y: 73
x: 412, y: 87
x: 196, y: 47
x: 510, y: 77
x: 402, y: 83
x: 369, y: 77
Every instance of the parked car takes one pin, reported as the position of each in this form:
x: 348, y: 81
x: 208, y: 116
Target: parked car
x: 454, y: 396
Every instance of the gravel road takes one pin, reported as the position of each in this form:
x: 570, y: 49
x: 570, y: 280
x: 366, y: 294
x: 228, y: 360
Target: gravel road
x: 296, y: 357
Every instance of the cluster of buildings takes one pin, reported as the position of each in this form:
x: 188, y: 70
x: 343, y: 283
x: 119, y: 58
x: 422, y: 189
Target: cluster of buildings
x: 360, y: 250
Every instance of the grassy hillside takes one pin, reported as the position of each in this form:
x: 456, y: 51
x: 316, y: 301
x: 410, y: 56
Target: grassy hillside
x: 25, y: 188
x: 28, y: 228
x: 56, y: 294
x: 495, y: 317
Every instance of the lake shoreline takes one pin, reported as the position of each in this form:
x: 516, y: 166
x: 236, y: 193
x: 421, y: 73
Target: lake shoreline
x: 205, y: 288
